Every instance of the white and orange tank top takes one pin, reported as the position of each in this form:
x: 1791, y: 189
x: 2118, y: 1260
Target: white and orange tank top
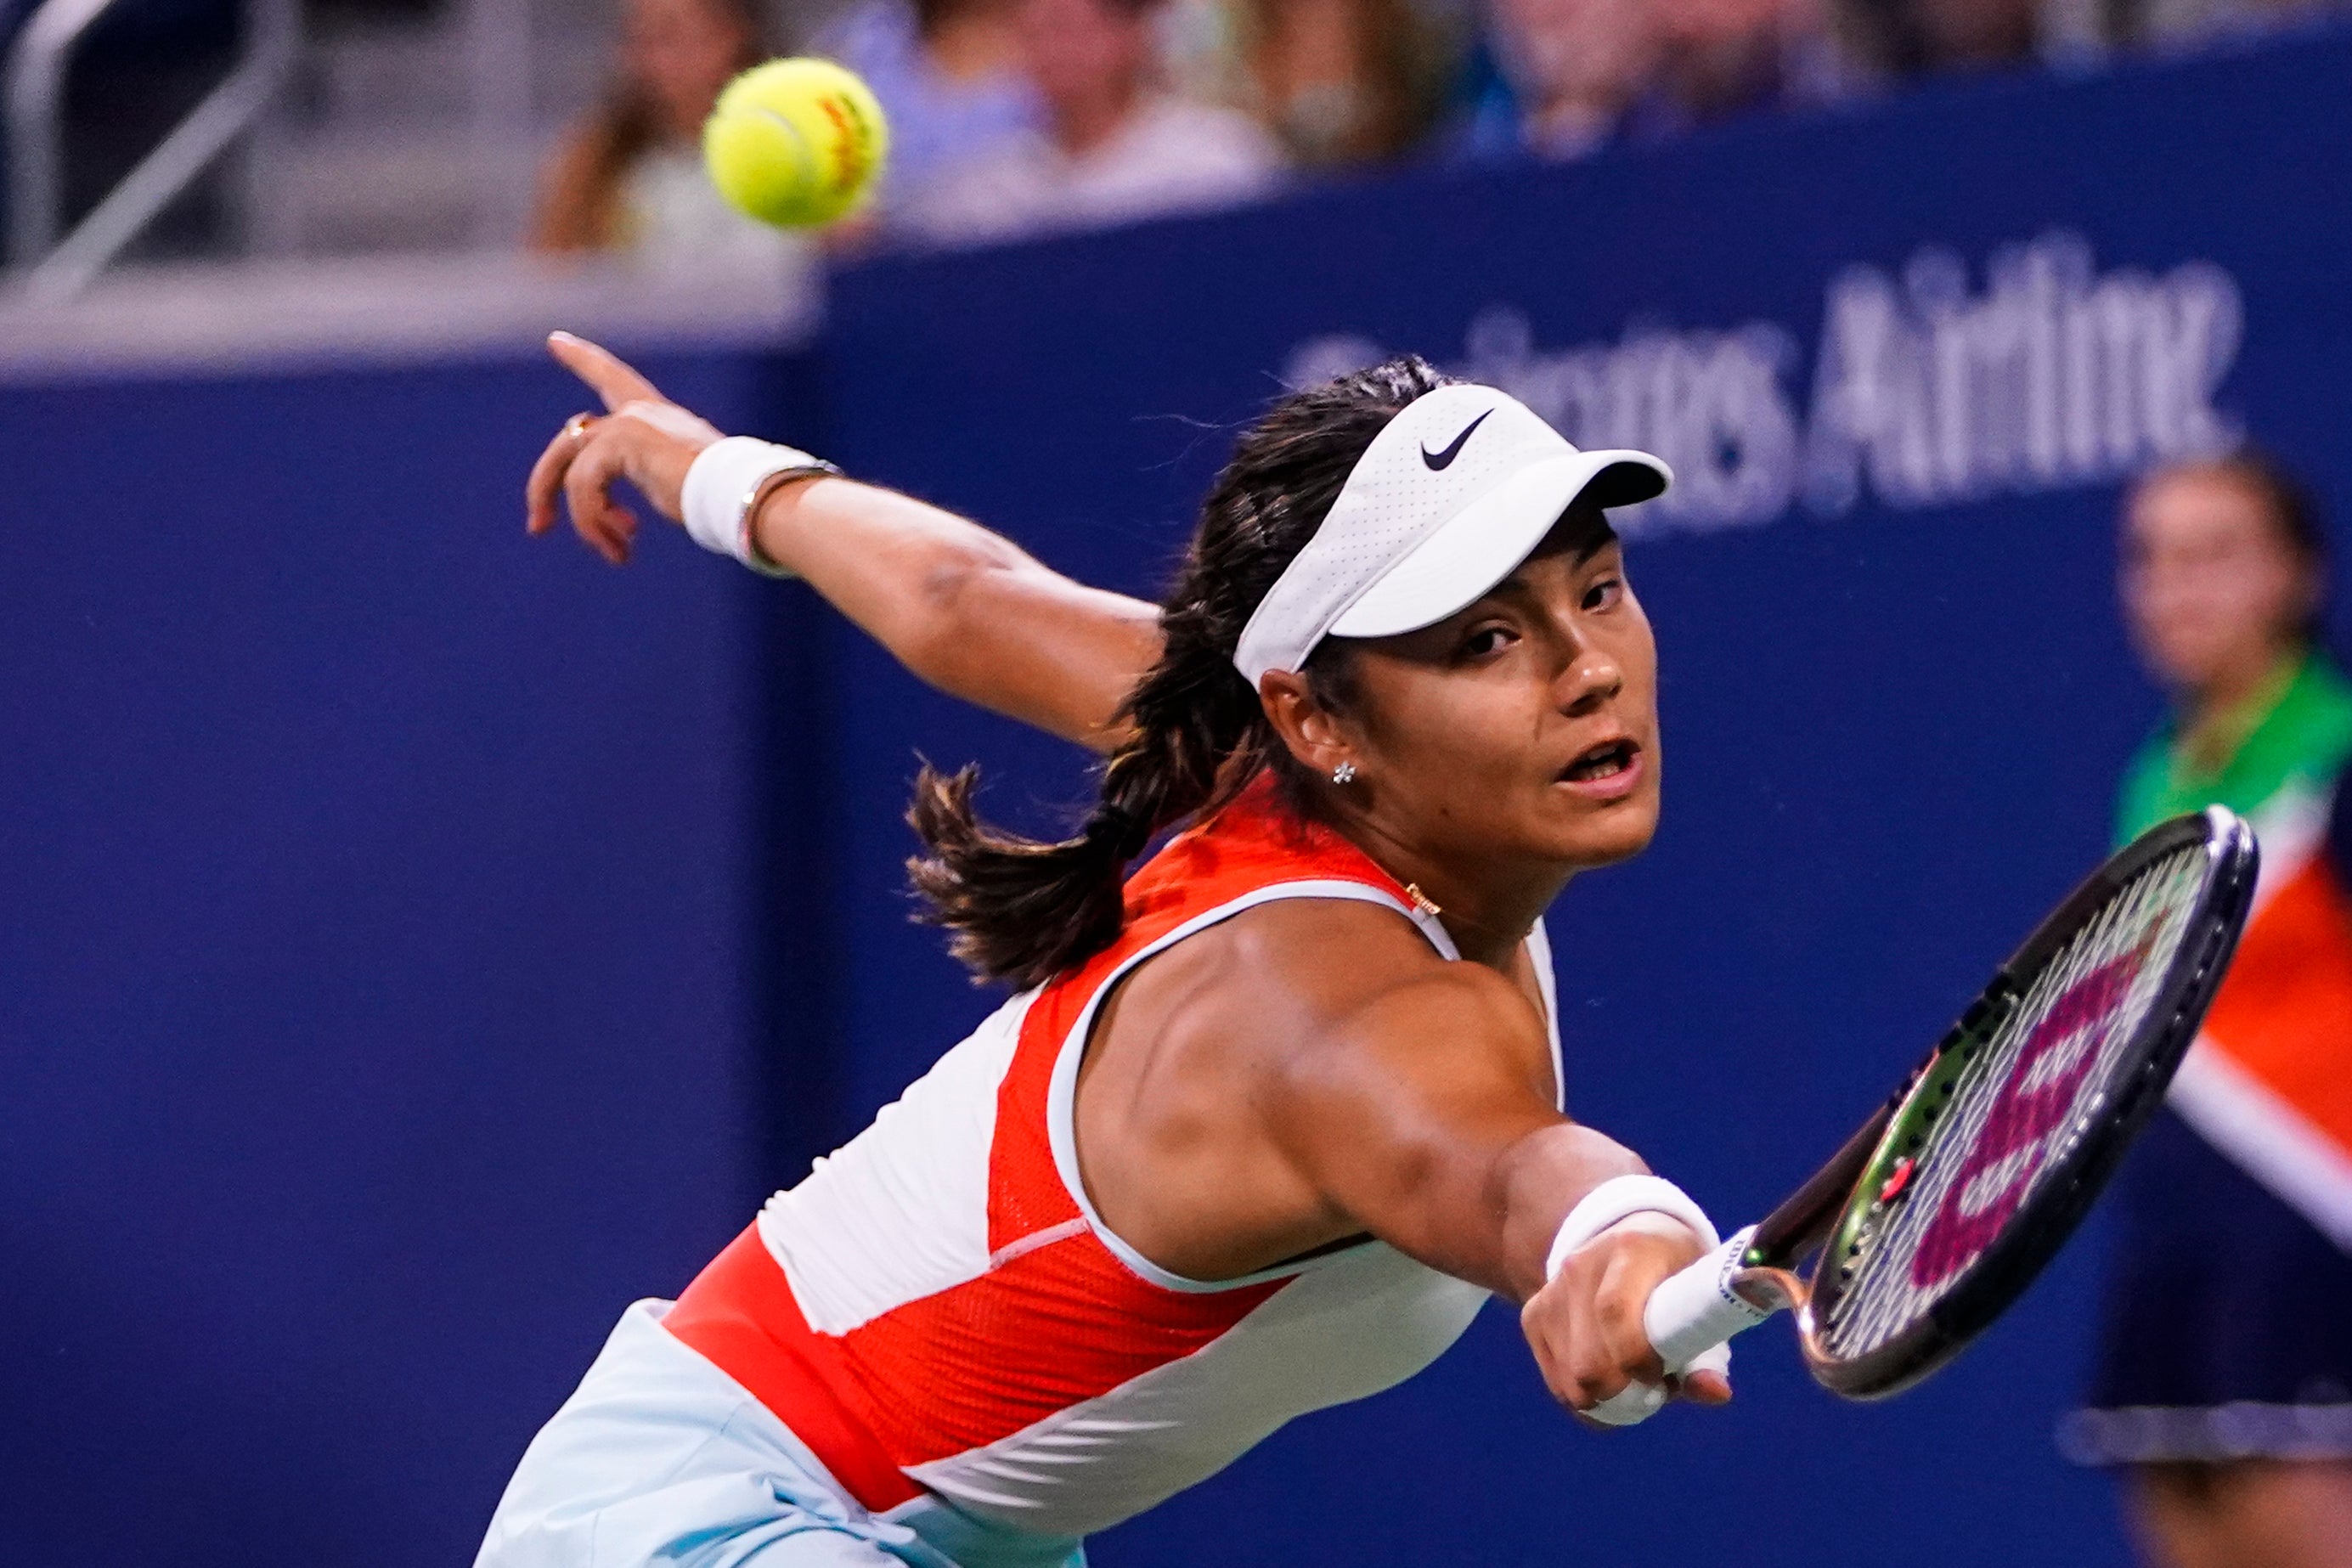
x: 937, y: 1310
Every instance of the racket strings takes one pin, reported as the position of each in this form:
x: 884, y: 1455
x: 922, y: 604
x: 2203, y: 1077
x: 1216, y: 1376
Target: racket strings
x: 1886, y: 1295
x: 2142, y: 926
x: 1880, y: 1297
x: 2122, y: 932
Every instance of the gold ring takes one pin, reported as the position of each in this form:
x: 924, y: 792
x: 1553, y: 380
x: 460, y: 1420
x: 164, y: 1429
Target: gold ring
x: 577, y: 426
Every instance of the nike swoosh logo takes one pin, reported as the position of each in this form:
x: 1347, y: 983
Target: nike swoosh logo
x: 1440, y: 459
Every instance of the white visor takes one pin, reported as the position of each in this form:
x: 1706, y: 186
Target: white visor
x: 1450, y: 495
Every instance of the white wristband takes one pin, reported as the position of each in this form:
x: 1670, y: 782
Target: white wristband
x: 1617, y: 1198
x: 725, y: 478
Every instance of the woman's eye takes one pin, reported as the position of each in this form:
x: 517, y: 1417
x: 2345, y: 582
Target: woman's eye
x: 1604, y: 593
x: 1484, y: 641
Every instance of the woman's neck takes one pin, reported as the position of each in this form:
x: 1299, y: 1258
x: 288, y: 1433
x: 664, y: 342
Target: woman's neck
x: 1571, y: 127
x: 1084, y: 122
x: 2223, y: 713
x: 1488, y: 928
x: 1487, y: 910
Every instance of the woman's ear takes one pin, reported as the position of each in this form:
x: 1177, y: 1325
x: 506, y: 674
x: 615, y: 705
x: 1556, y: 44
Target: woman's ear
x: 1311, y: 732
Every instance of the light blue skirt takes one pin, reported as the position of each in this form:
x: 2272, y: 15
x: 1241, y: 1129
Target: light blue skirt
x: 660, y: 1457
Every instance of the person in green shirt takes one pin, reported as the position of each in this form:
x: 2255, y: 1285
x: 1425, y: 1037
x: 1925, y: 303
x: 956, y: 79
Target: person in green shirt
x: 2223, y: 1383
x: 2222, y: 573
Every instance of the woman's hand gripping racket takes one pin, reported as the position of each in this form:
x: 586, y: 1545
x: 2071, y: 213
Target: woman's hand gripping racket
x: 1941, y: 1209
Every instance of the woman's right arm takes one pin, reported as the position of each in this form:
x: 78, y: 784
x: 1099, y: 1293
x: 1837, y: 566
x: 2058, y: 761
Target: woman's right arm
x: 961, y: 608
x: 1422, y: 1113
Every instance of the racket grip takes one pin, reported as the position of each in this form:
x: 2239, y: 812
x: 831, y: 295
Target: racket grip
x: 1689, y: 1319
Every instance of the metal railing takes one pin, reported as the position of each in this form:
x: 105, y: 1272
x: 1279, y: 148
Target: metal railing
x: 55, y: 269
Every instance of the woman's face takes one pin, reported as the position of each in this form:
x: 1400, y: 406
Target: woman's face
x: 1079, y: 51
x: 1525, y: 728
x: 682, y: 52
x: 1603, y: 52
x: 2212, y: 590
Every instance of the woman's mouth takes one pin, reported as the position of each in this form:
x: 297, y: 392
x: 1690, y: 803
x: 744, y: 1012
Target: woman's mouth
x: 1605, y: 771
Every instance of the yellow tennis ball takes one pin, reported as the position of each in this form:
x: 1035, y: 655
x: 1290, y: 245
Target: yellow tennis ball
x: 795, y: 142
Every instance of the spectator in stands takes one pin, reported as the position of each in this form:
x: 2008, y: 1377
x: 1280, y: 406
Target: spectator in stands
x: 1116, y: 145
x: 1904, y: 37
x: 1725, y: 57
x: 1974, y: 34
x: 2179, y: 22
x: 950, y: 76
x: 1340, y: 82
x: 1568, y: 76
x: 630, y: 179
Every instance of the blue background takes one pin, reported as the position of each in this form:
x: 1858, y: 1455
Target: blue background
x: 420, y: 940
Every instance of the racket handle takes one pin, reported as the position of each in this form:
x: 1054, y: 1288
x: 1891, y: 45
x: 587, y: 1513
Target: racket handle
x: 1690, y: 1318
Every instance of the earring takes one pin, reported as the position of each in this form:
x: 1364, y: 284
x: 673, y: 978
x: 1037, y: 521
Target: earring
x: 1344, y: 774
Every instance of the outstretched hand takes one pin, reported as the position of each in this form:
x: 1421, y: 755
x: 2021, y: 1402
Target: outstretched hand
x: 642, y: 438
x: 1585, y: 1325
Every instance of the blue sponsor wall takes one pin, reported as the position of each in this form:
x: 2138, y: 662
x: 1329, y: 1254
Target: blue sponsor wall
x: 377, y: 996
x: 422, y: 942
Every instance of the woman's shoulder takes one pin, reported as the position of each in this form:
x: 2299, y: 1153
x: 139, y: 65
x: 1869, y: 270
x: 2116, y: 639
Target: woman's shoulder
x: 1277, y: 988
x: 2146, y: 784
x: 1178, y: 145
x: 2303, y: 742
x: 2328, y: 693
x: 1321, y: 952
x: 1341, y: 958
x: 2307, y: 739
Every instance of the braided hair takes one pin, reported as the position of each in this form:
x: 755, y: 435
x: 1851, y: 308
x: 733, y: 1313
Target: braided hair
x: 1023, y: 909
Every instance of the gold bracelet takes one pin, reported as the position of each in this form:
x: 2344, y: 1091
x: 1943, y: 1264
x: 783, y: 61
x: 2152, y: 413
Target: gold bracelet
x: 753, y: 557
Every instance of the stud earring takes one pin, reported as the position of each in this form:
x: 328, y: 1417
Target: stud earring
x: 1344, y: 774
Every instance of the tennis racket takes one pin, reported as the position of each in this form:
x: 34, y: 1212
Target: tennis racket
x: 1945, y: 1205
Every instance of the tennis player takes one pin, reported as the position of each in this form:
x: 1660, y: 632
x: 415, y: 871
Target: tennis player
x: 1269, y: 1118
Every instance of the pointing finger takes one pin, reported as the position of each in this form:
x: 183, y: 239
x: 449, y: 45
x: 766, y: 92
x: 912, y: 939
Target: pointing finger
x: 604, y: 370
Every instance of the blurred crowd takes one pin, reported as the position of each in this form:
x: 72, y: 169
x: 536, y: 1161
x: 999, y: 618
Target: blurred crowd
x: 1013, y: 117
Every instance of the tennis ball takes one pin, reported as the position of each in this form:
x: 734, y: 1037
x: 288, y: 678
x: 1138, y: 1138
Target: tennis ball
x: 795, y: 142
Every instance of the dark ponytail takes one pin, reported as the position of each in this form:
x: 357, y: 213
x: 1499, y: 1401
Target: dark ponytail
x: 1023, y: 910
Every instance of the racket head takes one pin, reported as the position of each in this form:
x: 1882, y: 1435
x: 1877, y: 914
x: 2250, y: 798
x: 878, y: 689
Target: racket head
x: 2005, y: 1136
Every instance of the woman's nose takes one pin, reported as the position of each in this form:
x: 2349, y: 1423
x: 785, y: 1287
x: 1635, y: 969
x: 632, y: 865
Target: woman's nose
x: 1592, y: 679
